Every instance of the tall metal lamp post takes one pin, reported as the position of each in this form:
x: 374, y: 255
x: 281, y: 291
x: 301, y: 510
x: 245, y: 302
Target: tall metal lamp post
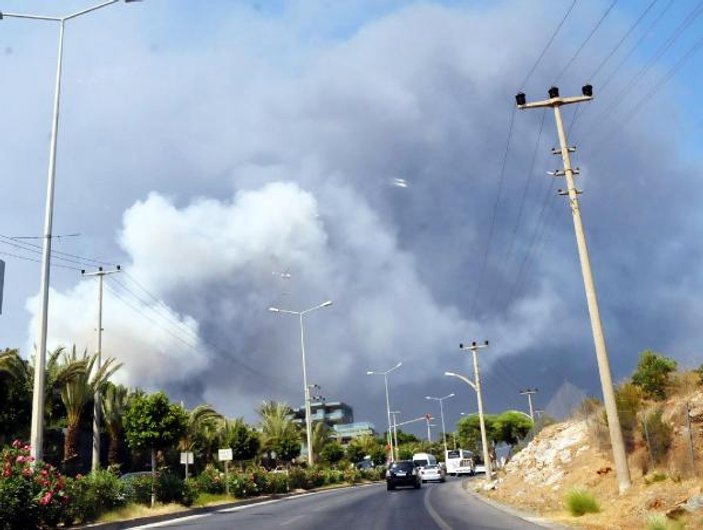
x: 308, y: 419
x: 389, y: 436
x: 37, y: 425
x: 441, y: 412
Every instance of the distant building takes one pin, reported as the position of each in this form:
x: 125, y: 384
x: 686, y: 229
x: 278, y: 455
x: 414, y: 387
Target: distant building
x: 345, y: 433
x: 339, y: 417
x: 331, y: 413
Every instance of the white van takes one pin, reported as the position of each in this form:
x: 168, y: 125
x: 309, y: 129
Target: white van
x: 424, y: 459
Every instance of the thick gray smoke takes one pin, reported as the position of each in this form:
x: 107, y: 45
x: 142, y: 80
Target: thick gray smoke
x: 366, y: 166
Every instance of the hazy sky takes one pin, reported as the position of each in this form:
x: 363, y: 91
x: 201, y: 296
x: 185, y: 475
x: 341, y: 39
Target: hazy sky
x: 237, y: 155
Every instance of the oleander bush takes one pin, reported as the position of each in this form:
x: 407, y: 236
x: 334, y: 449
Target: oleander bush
x: 92, y: 495
x: 32, y: 494
x: 211, y: 480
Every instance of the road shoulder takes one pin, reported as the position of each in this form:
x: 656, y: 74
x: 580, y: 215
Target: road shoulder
x: 468, y: 486
x: 204, y: 510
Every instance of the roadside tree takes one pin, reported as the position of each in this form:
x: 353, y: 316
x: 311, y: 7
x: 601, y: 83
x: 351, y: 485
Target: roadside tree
x: 653, y: 374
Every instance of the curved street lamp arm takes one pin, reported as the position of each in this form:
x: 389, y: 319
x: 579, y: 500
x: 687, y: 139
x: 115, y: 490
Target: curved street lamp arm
x: 463, y: 378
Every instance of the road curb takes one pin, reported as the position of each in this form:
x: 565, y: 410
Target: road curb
x: 151, y: 519
x: 530, y: 518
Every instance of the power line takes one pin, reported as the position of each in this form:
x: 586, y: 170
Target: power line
x: 26, y: 258
x: 185, y: 341
x: 56, y: 254
x: 680, y: 29
x: 501, y: 178
x: 652, y: 91
x: 588, y: 38
x: 646, y: 33
x: 549, y: 43
x: 622, y: 39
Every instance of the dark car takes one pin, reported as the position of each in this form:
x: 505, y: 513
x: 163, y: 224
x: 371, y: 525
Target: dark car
x: 403, y: 473
x: 365, y: 464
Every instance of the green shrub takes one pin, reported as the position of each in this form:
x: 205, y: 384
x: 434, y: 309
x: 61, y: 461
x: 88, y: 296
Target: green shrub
x: 296, y: 478
x: 657, y: 434
x: 660, y: 522
x: 655, y: 477
x: 169, y: 488
x: 279, y: 482
x: 211, y: 481
x: 580, y: 501
x: 653, y: 374
x: 333, y: 476
x: 263, y: 481
x: 314, y: 478
x: 242, y: 485
x: 139, y: 489
x: 190, y: 491
x: 352, y: 475
x: 94, y: 494
x: 32, y: 494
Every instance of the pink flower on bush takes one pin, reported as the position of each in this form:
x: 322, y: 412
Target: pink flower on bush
x: 20, y: 459
x: 46, y: 499
x: 17, y: 444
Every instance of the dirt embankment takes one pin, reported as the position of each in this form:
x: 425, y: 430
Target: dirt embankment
x: 574, y: 454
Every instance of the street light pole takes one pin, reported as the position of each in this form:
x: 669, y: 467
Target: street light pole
x: 37, y: 423
x: 616, y: 438
x: 441, y: 412
x: 388, y: 406
x: 306, y: 394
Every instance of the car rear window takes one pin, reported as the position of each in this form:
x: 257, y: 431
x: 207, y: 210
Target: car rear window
x: 404, y: 466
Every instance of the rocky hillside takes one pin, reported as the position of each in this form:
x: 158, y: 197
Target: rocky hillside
x: 574, y: 454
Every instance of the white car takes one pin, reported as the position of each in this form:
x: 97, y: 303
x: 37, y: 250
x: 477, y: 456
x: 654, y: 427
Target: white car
x: 433, y: 472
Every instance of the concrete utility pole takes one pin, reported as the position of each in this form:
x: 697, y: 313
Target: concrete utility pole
x: 528, y: 392
x: 100, y: 273
x: 394, y: 414
x: 476, y: 385
x: 616, y: 439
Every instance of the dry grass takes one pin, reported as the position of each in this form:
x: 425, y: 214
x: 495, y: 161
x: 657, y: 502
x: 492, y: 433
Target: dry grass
x: 134, y: 511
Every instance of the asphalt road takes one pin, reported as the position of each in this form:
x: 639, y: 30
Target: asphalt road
x: 435, y: 506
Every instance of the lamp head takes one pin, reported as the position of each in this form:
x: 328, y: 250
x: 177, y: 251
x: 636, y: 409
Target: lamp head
x: 520, y: 98
x: 326, y: 304
x: 369, y: 372
x: 274, y: 309
x: 587, y: 90
x: 450, y: 374
x: 553, y: 92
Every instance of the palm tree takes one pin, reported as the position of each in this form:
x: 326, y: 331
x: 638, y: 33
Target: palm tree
x: 13, y: 365
x: 279, y: 434
x: 198, y: 418
x: 77, y: 391
x: 114, y: 403
x: 320, y: 438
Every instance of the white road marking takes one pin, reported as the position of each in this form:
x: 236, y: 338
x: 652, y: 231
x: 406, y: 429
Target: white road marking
x: 435, y: 516
x: 170, y: 521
